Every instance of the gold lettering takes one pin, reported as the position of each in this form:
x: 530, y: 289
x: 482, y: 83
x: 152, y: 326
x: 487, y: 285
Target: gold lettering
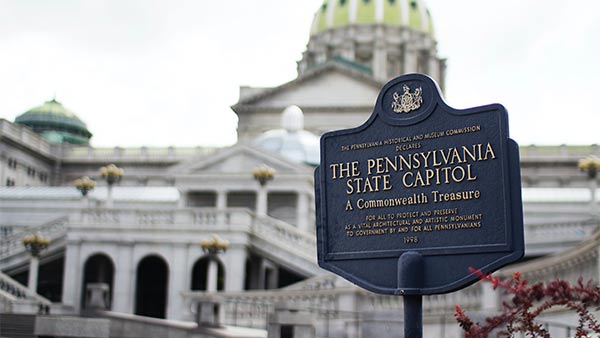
x: 350, y: 189
x: 406, y: 184
x: 466, y: 153
x: 333, y: 169
x: 386, y: 183
x: 349, y: 206
x: 489, y: 150
x: 389, y: 164
x: 370, y: 165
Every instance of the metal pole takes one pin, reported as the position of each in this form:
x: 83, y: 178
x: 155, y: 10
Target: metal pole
x: 410, y: 276
x: 413, y: 316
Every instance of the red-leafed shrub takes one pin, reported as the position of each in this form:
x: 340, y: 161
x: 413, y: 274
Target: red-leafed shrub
x: 526, y: 302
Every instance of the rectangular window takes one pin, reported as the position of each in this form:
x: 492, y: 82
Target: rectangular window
x: 206, y: 199
x: 12, y: 163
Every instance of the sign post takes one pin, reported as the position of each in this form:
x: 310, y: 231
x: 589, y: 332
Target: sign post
x: 420, y: 193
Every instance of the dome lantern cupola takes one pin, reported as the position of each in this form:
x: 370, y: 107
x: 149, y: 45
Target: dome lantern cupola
x: 401, y: 13
x: 292, y: 141
x: 55, y: 123
x: 390, y: 37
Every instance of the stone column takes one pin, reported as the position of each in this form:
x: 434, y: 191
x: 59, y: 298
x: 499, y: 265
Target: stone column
x: 410, y: 59
x: 123, y: 295
x: 320, y: 55
x: 221, y: 199
x: 379, y: 61
x: 34, y: 265
x: 235, y: 268
x: 380, y: 55
x: 3, y: 169
x: 261, y: 201
x: 109, y: 196
x: 593, y: 203
x: 302, y: 211
x: 267, y: 282
x: 434, y: 68
x: 182, y: 203
x: 212, y: 275
x: 347, y: 50
x: 598, y: 263
x: 490, y: 300
x: 221, y: 206
x: 178, y: 282
x: 72, y: 279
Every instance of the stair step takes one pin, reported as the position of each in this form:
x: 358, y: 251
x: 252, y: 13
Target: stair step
x: 17, y: 326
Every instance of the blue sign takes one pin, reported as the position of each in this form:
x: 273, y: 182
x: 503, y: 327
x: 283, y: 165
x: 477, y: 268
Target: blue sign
x: 420, y: 193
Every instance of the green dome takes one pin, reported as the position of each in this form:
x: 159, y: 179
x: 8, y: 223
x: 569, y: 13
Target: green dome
x: 403, y: 13
x: 55, y: 123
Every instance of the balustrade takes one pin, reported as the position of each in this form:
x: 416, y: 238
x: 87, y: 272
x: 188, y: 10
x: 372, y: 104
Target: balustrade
x: 251, y: 308
x: 286, y: 236
x: 12, y: 292
x: 558, y: 232
x: 13, y: 243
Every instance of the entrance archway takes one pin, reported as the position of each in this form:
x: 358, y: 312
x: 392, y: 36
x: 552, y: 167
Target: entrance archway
x: 98, y: 268
x: 200, y: 275
x: 151, y: 287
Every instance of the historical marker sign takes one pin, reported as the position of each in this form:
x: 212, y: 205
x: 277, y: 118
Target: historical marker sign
x: 423, y: 178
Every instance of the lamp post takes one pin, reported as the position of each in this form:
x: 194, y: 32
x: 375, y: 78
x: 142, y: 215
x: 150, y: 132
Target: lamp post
x: 34, y: 244
x: 590, y: 165
x: 262, y: 174
x: 213, y: 247
x: 112, y: 174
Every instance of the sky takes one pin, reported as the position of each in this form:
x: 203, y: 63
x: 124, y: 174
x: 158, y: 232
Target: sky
x: 164, y: 73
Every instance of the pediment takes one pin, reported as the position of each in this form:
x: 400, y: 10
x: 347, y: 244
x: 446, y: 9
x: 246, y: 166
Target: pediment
x: 330, y: 86
x: 238, y: 159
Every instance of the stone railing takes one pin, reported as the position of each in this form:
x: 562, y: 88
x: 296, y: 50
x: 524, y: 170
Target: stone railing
x: 550, y: 233
x: 117, y: 154
x: 560, y: 151
x: 13, y: 244
x: 251, y: 308
x: 25, y: 136
x: 570, y: 265
x: 13, y: 294
x: 272, y: 234
x: 286, y: 236
x: 209, y: 217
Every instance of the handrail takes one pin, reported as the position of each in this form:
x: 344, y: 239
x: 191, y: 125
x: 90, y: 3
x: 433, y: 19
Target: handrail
x: 13, y: 244
x: 285, y: 236
x: 18, y: 291
x: 251, y: 308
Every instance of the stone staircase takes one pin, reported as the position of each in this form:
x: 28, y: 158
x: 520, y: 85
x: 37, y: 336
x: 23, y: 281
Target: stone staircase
x: 17, y: 325
x: 16, y: 298
x: 285, y: 244
x: 12, y: 251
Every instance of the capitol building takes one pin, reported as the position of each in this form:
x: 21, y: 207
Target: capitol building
x: 220, y: 242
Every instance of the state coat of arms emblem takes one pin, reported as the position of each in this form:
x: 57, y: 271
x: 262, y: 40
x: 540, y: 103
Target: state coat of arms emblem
x: 408, y: 101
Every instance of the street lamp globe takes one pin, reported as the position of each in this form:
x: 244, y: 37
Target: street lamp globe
x: 214, y: 245
x: 111, y: 173
x: 590, y: 165
x: 84, y: 185
x: 263, y: 174
x: 35, y: 244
